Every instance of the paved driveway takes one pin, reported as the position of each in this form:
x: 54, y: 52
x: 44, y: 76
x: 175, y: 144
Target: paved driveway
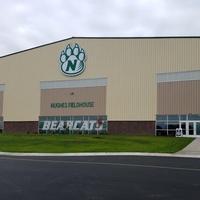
x: 100, y: 177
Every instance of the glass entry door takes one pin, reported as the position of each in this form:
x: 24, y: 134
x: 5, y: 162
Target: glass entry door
x: 190, y: 128
x: 198, y: 128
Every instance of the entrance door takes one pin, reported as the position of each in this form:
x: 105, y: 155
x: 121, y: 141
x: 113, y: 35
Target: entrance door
x: 183, y: 125
x: 190, y: 128
x: 198, y: 128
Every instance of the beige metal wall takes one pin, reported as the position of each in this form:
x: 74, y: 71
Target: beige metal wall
x: 181, y: 97
x: 97, y: 95
x: 130, y: 64
x: 1, y: 103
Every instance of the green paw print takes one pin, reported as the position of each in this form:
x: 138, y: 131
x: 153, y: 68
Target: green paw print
x: 72, y: 60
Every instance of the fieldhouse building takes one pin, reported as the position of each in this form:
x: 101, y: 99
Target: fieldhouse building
x: 147, y: 85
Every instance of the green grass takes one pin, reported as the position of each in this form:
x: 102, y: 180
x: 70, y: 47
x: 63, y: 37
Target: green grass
x: 90, y: 143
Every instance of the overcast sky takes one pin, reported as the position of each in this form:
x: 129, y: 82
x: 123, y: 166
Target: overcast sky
x: 29, y: 23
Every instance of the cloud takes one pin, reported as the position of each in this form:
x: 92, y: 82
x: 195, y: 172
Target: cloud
x: 26, y: 24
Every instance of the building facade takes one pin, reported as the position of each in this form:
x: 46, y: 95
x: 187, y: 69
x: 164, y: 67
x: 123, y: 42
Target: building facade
x: 98, y: 85
x: 178, y: 97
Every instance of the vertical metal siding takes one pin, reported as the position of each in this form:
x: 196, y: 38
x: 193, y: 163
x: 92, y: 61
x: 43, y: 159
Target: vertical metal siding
x: 179, y: 97
x: 130, y: 64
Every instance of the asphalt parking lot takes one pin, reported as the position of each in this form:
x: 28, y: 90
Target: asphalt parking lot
x: 99, y: 177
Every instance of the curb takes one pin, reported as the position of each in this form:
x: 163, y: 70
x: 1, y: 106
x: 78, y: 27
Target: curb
x: 102, y: 154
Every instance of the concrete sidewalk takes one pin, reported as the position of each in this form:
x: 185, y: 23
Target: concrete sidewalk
x: 192, y: 150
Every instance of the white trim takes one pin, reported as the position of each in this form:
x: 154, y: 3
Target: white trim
x: 95, y: 82
x: 187, y: 127
x: 178, y: 76
x: 2, y: 87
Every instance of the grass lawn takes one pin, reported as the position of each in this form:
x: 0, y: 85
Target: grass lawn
x: 42, y: 143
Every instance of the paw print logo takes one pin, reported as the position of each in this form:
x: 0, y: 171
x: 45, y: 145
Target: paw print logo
x: 72, y: 60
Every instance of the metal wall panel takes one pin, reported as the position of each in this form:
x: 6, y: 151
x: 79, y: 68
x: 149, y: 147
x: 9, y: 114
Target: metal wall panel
x: 69, y: 101
x: 178, y: 98
x: 130, y: 64
x: 1, y: 103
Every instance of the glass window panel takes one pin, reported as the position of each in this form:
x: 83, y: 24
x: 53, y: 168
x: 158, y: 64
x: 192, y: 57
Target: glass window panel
x: 80, y: 118
x: 173, y: 117
x: 173, y: 122
x: 171, y: 132
x: 173, y: 126
x: 93, y: 117
x: 42, y: 118
x: 78, y: 122
x: 85, y: 132
x: 161, y: 117
x: 193, y: 117
x: 182, y: 117
x: 184, y: 132
x: 161, y: 125
x: 57, y: 118
x: 65, y: 118
x: 103, y: 117
x: 102, y: 120
x: 161, y: 132
x: 41, y: 125
x: 51, y: 118
x: 191, y: 128
x: 197, y: 128
x: 86, y: 118
x: 183, y: 126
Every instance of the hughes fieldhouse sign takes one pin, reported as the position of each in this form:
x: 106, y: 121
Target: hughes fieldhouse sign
x: 72, y: 105
x: 72, y: 60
